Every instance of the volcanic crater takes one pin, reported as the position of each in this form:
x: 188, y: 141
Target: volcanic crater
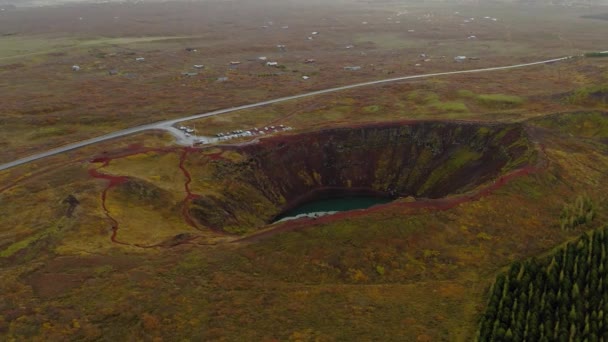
x: 424, y: 160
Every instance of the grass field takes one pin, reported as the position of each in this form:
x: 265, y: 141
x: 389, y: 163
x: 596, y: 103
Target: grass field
x: 98, y: 243
x: 36, y: 59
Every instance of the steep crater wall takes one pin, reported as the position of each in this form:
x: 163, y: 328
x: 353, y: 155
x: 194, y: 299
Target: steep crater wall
x: 423, y: 159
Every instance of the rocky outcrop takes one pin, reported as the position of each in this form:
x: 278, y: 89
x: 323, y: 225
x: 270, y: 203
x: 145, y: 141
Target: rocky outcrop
x: 422, y: 159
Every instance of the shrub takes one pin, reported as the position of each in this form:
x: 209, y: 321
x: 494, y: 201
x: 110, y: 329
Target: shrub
x: 596, y: 54
x: 578, y: 213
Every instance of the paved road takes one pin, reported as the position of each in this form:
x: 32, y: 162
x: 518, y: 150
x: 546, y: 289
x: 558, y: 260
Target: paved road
x: 166, y: 125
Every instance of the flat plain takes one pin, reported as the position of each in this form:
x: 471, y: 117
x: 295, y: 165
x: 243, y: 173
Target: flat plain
x: 141, y: 239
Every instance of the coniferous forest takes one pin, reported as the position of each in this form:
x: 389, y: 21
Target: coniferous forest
x: 563, y: 297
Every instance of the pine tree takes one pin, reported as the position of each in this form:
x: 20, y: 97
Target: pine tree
x: 576, y: 293
x: 560, y: 298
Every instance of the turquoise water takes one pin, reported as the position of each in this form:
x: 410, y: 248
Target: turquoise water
x: 335, y: 204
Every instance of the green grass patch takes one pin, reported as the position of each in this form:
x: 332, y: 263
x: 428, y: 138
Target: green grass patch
x: 388, y: 40
x: 433, y: 101
x: 467, y: 94
x: 371, y: 109
x: 18, y: 46
x: 596, y: 54
x: 43, y: 234
x: 50, y: 131
x: 451, y: 106
x: 592, y: 95
x: 588, y: 125
x: 459, y: 159
x: 423, y: 97
x: 500, y: 101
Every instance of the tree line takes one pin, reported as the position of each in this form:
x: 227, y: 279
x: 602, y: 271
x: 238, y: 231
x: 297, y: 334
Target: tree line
x: 563, y: 297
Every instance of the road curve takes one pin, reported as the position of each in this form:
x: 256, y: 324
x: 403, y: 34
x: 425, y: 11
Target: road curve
x: 165, y: 125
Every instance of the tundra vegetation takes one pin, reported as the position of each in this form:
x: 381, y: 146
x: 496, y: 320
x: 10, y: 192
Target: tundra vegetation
x: 142, y: 239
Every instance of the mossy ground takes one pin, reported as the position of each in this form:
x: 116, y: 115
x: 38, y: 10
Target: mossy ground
x: 395, y: 274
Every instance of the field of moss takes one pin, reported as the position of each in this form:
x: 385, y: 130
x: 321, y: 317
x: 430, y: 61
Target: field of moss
x: 123, y: 262
x: 397, y: 273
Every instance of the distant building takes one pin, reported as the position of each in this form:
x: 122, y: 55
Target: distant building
x: 199, y: 66
x: 460, y: 58
x: 235, y: 63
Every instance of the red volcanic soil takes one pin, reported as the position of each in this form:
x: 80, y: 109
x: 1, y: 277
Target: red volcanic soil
x: 423, y: 159
x: 380, y: 158
x: 114, y: 180
x: 440, y: 204
x: 189, y: 195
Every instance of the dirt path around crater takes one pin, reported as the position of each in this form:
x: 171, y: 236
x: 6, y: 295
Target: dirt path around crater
x: 114, y: 180
x: 295, y: 225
